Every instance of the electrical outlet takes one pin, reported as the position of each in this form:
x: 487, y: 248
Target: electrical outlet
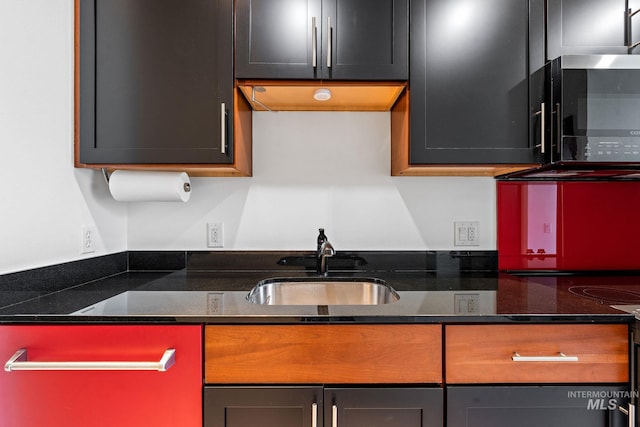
x: 466, y: 303
x: 215, y: 235
x: 88, y: 239
x: 466, y: 233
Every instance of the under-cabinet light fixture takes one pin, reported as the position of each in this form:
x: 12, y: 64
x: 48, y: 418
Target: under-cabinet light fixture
x: 322, y: 94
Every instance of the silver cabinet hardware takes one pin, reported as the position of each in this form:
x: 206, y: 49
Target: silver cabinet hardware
x: 542, y: 118
x: 561, y: 357
x: 314, y: 43
x: 314, y: 415
x: 19, y: 362
x: 334, y: 416
x: 630, y: 44
x: 329, y: 38
x: 223, y: 128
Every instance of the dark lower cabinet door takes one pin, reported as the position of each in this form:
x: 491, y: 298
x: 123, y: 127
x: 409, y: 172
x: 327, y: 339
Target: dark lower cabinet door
x: 531, y: 406
x: 262, y: 406
x: 383, y: 407
x: 469, y: 87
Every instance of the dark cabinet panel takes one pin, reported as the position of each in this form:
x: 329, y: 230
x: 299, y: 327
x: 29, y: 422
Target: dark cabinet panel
x: 384, y: 407
x: 469, y: 84
x: 531, y: 406
x: 330, y: 39
x: 313, y: 406
x: 277, y: 38
x: 262, y: 406
x: 578, y: 27
x: 156, y: 81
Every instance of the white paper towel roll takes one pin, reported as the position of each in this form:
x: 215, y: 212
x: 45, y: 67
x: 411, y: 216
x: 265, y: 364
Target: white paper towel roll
x: 148, y: 186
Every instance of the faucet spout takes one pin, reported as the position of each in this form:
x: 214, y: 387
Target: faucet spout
x: 326, y: 251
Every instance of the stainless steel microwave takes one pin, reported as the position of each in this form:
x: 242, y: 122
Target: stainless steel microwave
x: 589, y: 109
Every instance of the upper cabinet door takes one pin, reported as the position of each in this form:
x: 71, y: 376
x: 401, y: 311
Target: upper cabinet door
x: 156, y: 81
x: 278, y: 38
x: 369, y: 39
x: 579, y: 27
x: 469, y: 84
x: 315, y: 39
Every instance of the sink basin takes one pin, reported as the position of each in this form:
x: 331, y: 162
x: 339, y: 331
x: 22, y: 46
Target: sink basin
x: 322, y: 291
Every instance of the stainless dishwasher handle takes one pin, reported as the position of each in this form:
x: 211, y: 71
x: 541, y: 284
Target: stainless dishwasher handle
x: 19, y: 362
x: 223, y: 128
x: 561, y: 357
x: 334, y: 415
x: 314, y: 415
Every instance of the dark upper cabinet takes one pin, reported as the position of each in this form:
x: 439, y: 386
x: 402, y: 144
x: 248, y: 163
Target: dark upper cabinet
x: 578, y: 27
x: 156, y: 82
x: 469, y: 85
x: 324, y: 39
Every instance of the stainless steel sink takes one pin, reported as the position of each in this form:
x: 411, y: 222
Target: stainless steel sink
x: 322, y: 291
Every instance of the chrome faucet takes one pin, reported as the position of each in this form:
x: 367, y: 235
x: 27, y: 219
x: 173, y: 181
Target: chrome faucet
x: 326, y: 250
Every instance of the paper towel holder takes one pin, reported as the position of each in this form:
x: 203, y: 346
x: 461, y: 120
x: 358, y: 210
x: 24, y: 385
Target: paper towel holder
x: 105, y: 173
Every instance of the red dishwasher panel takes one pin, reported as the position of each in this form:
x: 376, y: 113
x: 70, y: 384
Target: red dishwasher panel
x: 101, y: 375
x: 568, y: 225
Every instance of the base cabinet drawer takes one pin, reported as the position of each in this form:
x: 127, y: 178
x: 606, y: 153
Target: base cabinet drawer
x: 548, y: 406
x: 315, y: 406
x: 101, y: 376
x: 584, y: 353
x: 323, y: 354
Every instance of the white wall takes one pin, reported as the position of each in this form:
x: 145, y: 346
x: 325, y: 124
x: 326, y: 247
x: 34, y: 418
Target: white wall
x: 320, y: 169
x: 44, y: 201
x: 310, y: 170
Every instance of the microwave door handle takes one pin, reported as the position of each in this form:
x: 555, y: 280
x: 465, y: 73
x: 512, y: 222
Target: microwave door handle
x: 542, y: 139
x: 558, y: 131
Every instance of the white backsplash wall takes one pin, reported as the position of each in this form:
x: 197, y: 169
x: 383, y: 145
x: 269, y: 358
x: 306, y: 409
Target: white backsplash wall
x: 44, y: 201
x: 320, y: 169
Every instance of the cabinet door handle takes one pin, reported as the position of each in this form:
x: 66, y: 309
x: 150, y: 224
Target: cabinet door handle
x: 630, y: 44
x: 542, y: 118
x: 561, y: 357
x: 329, y: 39
x: 631, y: 413
x: 314, y: 415
x: 19, y: 362
x: 223, y: 128
x: 314, y: 43
x: 334, y: 415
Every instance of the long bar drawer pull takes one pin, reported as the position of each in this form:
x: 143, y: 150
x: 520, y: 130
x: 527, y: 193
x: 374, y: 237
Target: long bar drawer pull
x: 561, y: 357
x: 19, y: 362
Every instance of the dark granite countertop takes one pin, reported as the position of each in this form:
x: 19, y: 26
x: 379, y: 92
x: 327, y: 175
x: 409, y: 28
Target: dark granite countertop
x: 217, y: 295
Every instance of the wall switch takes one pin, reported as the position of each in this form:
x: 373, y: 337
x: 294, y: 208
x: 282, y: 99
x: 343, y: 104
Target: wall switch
x: 88, y: 239
x: 215, y: 235
x: 466, y: 233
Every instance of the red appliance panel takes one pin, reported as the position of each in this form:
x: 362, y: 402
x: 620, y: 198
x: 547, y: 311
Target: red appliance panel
x: 568, y: 225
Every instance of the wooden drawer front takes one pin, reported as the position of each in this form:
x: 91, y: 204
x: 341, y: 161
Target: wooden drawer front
x: 317, y: 354
x: 484, y: 353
